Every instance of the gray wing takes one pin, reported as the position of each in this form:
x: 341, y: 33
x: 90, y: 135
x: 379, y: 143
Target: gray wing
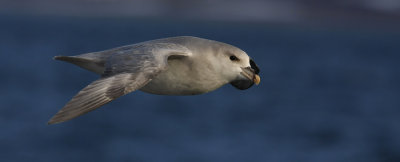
x: 126, y: 71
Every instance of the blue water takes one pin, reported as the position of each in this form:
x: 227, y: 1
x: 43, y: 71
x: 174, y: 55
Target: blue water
x: 325, y: 95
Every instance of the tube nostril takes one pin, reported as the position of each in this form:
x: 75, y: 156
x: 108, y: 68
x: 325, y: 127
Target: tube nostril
x: 254, y: 66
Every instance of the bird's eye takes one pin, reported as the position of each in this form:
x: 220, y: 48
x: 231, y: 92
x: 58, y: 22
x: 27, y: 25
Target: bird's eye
x: 233, y: 58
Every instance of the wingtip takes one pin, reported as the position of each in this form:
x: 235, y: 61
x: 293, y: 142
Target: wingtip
x: 57, y: 57
x: 52, y: 121
x: 57, y: 118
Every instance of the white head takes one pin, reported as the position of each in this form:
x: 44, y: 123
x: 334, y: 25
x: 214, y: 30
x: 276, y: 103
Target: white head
x: 236, y: 66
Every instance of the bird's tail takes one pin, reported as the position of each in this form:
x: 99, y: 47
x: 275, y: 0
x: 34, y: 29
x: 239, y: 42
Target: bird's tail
x: 91, y: 64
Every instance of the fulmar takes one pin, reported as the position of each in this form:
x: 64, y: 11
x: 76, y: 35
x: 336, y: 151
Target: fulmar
x: 182, y: 65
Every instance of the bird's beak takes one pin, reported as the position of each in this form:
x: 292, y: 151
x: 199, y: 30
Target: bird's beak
x: 249, y: 76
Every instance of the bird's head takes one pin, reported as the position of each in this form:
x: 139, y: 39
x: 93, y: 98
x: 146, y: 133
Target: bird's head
x: 242, y: 72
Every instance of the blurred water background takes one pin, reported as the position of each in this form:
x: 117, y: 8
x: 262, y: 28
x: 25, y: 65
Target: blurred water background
x: 329, y: 82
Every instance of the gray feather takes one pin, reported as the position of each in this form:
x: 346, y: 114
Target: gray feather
x: 97, y: 94
x: 91, y: 64
x: 125, y: 71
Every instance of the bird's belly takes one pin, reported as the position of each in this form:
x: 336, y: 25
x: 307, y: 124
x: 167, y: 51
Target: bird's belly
x: 169, y: 85
x: 180, y: 80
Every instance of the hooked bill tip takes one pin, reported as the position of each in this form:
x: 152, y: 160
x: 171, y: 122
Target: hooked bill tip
x: 257, y: 79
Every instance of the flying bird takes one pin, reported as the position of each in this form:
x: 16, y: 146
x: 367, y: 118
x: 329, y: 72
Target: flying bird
x: 183, y: 65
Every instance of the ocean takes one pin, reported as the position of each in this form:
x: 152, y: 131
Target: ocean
x: 326, y: 94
